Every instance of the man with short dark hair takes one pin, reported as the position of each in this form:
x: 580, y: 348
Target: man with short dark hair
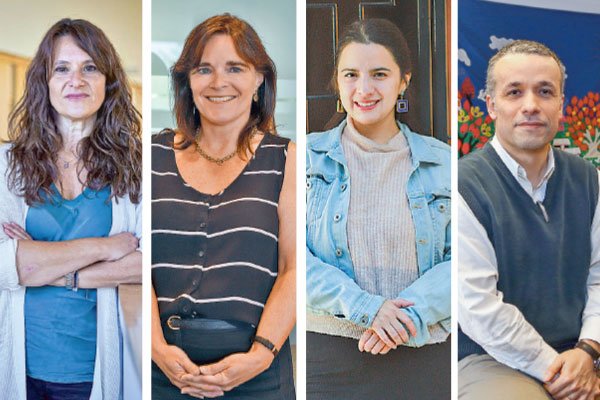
x: 529, y: 244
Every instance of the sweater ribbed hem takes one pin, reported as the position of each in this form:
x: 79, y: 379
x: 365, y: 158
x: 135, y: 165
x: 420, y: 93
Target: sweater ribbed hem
x: 330, y: 325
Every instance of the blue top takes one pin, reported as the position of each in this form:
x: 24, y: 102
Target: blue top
x: 60, y: 324
x: 330, y: 285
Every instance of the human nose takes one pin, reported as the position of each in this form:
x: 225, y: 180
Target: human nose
x: 76, y: 78
x: 363, y: 85
x: 530, y: 104
x: 218, y: 80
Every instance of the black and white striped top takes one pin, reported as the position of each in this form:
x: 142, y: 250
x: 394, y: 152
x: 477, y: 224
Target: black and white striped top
x: 215, y: 256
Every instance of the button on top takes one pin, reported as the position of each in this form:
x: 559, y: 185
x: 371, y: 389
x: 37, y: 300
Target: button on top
x: 308, y: 184
x: 201, y: 253
x: 195, y: 282
x: 343, y: 187
x: 338, y: 252
x: 441, y: 207
x: 337, y: 217
x: 364, y: 319
x: 202, y: 224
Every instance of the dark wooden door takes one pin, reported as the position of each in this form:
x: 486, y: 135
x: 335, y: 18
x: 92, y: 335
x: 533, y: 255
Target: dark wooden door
x: 423, y: 23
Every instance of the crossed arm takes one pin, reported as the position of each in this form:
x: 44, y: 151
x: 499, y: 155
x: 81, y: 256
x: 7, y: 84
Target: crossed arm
x: 100, y: 262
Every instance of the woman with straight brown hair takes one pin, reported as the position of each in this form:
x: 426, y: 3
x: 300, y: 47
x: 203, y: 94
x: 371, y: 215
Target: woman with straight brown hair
x: 70, y: 191
x: 223, y: 225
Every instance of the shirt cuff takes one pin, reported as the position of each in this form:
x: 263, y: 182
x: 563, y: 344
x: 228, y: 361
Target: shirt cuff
x: 542, y: 362
x: 367, y: 310
x: 591, y: 329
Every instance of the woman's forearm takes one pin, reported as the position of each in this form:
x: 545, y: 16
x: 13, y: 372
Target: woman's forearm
x: 40, y: 263
x: 112, y: 273
x: 279, y: 316
x: 158, y: 338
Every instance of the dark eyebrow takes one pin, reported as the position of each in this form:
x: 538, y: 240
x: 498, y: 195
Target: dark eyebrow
x: 89, y: 60
x: 514, y: 84
x: 237, y: 64
x: 228, y: 63
x: 547, y: 83
x: 378, y: 69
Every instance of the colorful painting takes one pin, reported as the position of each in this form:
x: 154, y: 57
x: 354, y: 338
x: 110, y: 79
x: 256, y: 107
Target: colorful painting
x: 483, y: 30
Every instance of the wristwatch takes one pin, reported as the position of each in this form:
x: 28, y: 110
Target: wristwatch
x: 267, y: 343
x: 591, y: 351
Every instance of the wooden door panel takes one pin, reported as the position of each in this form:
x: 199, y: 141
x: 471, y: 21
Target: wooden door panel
x: 326, y: 21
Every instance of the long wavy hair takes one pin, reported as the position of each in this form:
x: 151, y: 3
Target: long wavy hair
x: 111, y: 154
x: 250, y: 48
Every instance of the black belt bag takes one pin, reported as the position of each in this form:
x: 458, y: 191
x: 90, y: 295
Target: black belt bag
x: 208, y: 340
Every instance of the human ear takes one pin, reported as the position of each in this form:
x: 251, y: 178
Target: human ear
x: 491, y: 106
x: 260, y: 78
x: 404, y: 82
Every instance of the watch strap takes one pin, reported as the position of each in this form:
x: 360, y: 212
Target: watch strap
x: 69, y: 280
x: 590, y: 350
x: 267, y: 343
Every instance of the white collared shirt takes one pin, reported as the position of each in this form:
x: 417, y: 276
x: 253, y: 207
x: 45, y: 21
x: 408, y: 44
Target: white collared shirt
x: 481, y: 309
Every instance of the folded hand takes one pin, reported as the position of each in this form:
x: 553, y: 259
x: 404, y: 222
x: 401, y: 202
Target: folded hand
x: 176, y: 365
x: 15, y: 231
x: 227, y: 373
x: 572, y: 376
x: 387, y: 330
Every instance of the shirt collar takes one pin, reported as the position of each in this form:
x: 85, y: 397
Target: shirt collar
x: 420, y: 149
x: 516, y: 169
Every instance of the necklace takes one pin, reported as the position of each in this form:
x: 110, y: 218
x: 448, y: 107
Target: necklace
x: 218, y: 161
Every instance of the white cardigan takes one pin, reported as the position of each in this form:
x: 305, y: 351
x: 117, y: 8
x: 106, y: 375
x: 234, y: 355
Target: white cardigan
x: 126, y: 217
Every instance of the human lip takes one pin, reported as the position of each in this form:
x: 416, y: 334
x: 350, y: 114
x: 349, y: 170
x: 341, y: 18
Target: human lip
x: 531, y: 124
x: 220, y: 99
x: 366, y: 105
x: 76, y: 96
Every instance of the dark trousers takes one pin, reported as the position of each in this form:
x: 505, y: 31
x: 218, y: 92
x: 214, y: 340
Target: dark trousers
x: 42, y: 390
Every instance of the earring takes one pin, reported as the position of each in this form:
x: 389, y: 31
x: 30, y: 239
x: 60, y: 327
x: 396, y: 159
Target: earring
x: 255, y: 97
x: 339, y: 108
x: 402, y: 104
x: 194, y: 111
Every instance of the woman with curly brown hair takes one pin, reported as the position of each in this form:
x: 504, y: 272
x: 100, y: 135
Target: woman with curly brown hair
x: 70, y: 191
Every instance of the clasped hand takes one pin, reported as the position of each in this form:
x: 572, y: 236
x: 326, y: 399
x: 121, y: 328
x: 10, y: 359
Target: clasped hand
x: 389, y: 328
x: 572, y: 377
x: 212, y: 380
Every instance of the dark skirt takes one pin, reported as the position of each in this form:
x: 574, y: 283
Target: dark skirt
x: 276, y: 383
x: 336, y: 369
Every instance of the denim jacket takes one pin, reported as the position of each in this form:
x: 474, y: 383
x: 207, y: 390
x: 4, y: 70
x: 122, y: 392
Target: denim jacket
x: 331, y: 288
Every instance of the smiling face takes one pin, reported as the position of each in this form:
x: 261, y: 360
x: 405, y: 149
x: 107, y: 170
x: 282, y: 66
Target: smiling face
x: 223, y: 84
x: 369, y: 82
x: 76, y: 86
x: 527, y: 102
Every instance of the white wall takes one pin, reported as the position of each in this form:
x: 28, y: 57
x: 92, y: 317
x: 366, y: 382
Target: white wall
x: 23, y: 24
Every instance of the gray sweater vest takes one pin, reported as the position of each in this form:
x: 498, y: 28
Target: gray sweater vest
x: 543, y: 264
